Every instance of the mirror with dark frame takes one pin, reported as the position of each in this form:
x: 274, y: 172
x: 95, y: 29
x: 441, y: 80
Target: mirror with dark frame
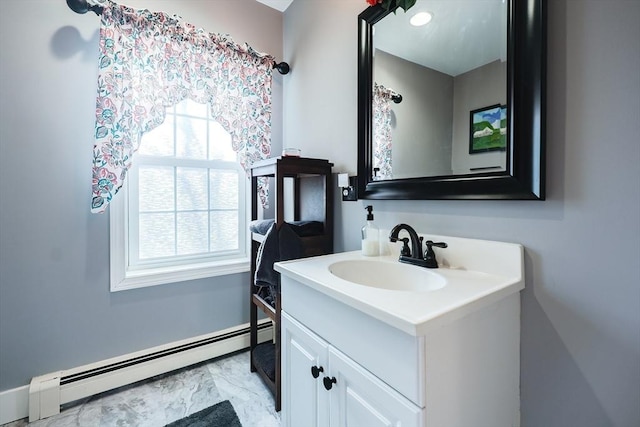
x: 453, y: 109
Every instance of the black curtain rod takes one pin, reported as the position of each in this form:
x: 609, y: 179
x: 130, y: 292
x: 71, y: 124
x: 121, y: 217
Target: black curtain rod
x: 81, y: 6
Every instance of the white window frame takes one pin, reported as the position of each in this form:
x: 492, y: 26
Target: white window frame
x: 123, y: 276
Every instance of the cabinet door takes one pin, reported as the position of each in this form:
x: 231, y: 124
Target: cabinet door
x: 359, y: 399
x: 304, y: 401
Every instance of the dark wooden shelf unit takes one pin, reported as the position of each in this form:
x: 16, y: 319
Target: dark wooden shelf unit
x: 312, y: 194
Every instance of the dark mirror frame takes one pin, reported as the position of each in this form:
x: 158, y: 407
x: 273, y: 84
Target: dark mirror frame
x: 524, y: 178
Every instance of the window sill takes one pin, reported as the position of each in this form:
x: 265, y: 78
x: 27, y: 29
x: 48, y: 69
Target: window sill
x: 133, y: 279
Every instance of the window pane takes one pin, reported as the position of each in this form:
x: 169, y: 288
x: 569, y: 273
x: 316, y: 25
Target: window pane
x: 224, y: 230
x: 191, y: 138
x: 157, y: 235
x: 192, y: 108
x: 192, y: 233
x: 192, y: 189
x: 159, y: 141
x: 185, y: 211
x: 224, y: 189
x: 156, y: 188
x: 220, y: 144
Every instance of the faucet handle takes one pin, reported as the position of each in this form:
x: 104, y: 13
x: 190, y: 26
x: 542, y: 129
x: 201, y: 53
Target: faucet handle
x: 431, y: 243
x: 405, y: 251
x: 430, y: 255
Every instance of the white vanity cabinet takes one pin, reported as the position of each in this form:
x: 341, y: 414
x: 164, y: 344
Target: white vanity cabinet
x: 304, y: 359
x: 324, y: 387
x: 403, y: 355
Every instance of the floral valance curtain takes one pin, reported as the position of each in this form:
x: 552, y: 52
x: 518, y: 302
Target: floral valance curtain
x: 382, y: 140
x: 149, y: 61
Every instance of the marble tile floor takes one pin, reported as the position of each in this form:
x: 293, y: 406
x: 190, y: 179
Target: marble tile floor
x: 166, y: 398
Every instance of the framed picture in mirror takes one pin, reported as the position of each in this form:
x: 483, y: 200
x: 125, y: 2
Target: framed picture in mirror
x: 488, y: 129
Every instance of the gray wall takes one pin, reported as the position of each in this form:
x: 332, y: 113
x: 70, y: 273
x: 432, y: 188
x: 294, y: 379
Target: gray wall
x: 56, y: 311
x: 581, y: 306
x: 421, y: 125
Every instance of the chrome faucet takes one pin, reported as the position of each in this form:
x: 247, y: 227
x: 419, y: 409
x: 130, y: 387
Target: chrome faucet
x: 416, y: 243
x: 414, y: 255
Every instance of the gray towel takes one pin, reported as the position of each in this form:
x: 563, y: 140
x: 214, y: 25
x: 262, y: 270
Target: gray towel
x: 268, y: 253
x: 278, y: 245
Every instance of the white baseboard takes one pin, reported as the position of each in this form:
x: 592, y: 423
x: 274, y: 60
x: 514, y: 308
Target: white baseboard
x: 15, y: 405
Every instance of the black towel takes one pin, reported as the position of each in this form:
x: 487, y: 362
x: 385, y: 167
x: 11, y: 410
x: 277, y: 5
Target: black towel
x: 278, y: 245
x: 301, y: 228
x: 290, y: 244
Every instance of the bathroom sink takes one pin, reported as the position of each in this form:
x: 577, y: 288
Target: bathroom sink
x: 387, y: 275
x: 472, y: 273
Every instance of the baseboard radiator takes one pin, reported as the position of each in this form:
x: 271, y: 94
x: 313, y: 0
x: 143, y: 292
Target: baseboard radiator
x: 48, y: 392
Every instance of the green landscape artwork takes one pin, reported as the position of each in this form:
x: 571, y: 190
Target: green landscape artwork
x: 488, y: 129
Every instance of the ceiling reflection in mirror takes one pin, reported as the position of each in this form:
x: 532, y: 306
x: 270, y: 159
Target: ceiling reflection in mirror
x: 440, y: 90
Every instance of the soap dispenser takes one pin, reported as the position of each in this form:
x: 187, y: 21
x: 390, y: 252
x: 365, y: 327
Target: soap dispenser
x: 370, y: 235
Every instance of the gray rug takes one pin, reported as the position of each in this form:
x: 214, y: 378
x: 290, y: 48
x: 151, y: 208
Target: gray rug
x: 219, y: 415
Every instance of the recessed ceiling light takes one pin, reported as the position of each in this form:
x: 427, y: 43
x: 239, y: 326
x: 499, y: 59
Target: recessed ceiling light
x: 420, y: 18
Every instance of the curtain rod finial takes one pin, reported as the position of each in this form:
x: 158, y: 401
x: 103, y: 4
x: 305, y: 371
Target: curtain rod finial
x: 78, y: 6
x: 81, y: 6
x: 282, y: 67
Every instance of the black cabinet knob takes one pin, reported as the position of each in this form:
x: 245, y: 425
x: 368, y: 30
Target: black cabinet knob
x: 329, y: 382
x: 315, y: 371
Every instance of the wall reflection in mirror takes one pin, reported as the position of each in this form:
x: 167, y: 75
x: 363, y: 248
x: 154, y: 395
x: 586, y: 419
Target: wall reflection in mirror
x: 451, y: 77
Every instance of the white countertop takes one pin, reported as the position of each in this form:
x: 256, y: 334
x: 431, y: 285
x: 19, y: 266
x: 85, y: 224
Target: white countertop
x: 414, y: 312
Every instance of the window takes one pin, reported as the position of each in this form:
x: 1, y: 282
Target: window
x: 182, y: 214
